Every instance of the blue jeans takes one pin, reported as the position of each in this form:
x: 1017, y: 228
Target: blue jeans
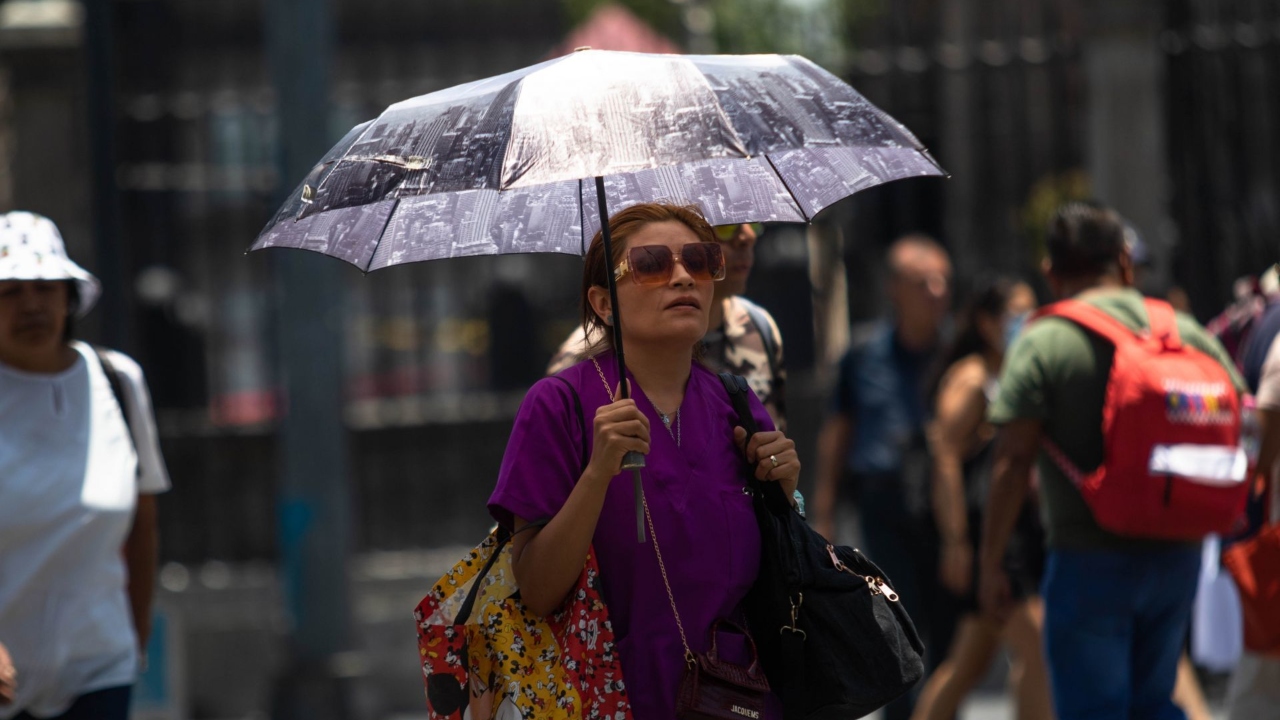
x: 108, y: 704
x: 1113, y: 631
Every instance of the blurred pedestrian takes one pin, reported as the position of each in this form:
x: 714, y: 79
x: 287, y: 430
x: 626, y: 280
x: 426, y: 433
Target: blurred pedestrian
x: 1254, y: 689
x: 1116, y: 607
x: 960, y: 441
x: 1257, y: 343
x: 702, y: 552
x: 873, y: 462
x: 743, y: 337
x: 1237, y: 321
x: 79, y: 469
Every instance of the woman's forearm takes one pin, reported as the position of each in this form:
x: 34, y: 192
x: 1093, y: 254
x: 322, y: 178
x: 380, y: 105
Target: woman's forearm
x: 547, y: 562
x: 141, y: 553
x: 948, y: 499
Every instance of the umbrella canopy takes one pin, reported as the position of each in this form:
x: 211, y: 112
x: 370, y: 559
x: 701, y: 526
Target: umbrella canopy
x: 498, y: 165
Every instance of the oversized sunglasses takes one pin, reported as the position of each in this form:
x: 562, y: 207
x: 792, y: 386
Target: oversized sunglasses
x: 654, y: 264
x: 725, y: 233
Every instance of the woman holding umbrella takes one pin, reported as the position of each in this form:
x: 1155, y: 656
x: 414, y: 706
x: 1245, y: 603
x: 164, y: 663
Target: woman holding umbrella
x: 702, y: 552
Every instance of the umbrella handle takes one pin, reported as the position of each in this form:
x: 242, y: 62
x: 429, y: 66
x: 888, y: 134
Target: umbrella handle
x: 632, y: 461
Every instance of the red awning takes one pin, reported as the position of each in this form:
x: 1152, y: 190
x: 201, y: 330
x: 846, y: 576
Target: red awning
x: 613, y: 27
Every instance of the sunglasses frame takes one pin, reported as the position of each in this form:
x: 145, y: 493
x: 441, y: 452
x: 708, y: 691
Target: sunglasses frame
x: 624, y: 267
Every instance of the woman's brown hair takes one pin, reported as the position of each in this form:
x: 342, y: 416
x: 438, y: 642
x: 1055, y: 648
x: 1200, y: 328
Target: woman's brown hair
x: 624, y: 224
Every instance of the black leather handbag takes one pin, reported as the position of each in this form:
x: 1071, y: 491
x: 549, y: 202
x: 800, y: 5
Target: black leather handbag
x: 833, y: 639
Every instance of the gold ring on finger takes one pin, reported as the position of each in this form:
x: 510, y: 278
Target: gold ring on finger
x: 774, y: 459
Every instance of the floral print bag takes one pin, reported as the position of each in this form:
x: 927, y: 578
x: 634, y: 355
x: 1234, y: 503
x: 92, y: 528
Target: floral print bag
x: 484, y: 655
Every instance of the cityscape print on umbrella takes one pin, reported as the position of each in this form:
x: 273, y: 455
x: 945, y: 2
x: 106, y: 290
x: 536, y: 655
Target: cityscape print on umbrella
x: 501, y: 165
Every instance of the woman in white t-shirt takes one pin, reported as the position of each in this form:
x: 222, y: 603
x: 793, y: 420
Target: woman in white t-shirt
x: 78, y: 477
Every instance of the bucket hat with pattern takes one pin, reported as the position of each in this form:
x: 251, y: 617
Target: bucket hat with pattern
x: 31, y: 248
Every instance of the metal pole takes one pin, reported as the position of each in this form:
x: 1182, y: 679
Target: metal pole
x: 313, y: 504
x: 100, y: 65
x: 632, y: 461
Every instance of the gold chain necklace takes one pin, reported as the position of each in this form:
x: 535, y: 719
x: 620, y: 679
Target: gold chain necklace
x: 665, y: 418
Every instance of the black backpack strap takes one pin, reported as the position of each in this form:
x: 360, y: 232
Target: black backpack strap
x: 792, y: 647
x: 737, y: 387
x: 739, y: 394
x: 116, y: 380
x: 117, y: 385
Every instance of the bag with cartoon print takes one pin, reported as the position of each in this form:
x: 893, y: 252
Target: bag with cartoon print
x: 484, y: 655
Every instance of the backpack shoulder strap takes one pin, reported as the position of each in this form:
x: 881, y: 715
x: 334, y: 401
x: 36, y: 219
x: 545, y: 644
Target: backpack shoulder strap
x: 1164, y: 323
x: 116, y: 381
x: 765, y: 328
x: 1092, y: 319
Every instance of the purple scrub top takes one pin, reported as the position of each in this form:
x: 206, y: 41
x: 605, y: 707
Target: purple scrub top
x: 702, y: 517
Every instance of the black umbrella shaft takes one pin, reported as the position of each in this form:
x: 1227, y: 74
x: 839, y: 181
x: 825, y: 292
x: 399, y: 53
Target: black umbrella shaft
x: 613, y: 286
x: 632, y: 460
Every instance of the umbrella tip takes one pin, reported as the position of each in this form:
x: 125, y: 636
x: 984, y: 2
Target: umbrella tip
x: 580, y: 48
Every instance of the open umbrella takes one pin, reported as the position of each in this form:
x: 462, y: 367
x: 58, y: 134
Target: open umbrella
x: 531, y: 161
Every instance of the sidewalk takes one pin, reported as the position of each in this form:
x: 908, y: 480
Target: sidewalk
x: 232, y: 636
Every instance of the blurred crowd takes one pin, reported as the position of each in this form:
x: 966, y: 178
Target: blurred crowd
x: 939, y: 419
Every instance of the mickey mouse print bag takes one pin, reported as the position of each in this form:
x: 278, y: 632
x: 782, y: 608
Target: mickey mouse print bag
x: 485, y: 656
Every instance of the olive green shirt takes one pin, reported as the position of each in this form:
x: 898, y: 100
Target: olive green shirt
x: 1056, y: 372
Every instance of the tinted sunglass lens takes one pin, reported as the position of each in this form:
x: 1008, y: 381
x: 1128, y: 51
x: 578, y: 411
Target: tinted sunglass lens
x: 694, y: 257
x: 715, y: 261
x: 651, y: 264
x: 703, y: 260
x: 725, y: 232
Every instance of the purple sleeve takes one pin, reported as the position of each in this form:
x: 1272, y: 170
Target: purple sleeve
x: 544, y: 457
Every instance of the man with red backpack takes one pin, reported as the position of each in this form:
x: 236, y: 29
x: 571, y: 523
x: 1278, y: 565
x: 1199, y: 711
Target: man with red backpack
x: 1132, y: 413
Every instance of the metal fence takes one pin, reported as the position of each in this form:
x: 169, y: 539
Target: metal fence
x: 1223, y: 111
x: 996, y: 91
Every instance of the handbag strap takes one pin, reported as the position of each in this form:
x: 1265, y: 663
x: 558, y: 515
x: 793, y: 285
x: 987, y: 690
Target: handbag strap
x: 504, y: 536
x: 751, y: 643
x: 792, y: 643
x: 582, y: 418
x: 662, y: 567
x: 737, y: 387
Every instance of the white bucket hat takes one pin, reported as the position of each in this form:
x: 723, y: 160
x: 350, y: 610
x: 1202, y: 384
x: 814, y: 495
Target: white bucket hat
x: 31, y: 248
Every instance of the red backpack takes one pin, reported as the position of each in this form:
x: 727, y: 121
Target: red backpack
x: 1173, y: 467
